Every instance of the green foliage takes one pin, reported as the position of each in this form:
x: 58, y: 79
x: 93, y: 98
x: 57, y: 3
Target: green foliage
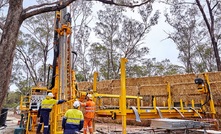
x: 193, y: 24
x: 12, y: 100
x: 33, y: 46
x: 121, y: 37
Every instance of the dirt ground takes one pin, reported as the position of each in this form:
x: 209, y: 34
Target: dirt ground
x: 101, y: 127
x: 12, y: 121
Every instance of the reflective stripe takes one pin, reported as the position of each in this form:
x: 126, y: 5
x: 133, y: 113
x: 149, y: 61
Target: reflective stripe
x: 74, y: 118
x: 47, y: 105
x: 72, y: 123
x: 45, y: 126
x: 89, y: 110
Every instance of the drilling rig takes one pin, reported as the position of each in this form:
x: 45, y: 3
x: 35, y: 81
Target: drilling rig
x: 62, y: 79
x: 63, y: 86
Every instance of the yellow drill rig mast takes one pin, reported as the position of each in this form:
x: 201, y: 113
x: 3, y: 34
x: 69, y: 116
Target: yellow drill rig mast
x: 64, y: 75
x: 62, y: 79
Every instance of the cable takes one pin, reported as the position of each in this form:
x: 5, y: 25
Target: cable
x: 208, y: 98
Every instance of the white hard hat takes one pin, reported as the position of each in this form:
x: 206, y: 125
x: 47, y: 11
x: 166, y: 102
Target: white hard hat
x: 89, y: 96
x: 50, y: 95
x: 76, y: 104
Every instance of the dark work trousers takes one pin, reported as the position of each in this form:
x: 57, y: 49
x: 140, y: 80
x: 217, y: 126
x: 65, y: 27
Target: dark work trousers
x: 71, y: 131
x: 45, y: 116
x: 40, y: 125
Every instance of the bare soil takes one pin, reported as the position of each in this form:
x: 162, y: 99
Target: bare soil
x: 104, y: 126
x: 101, y: 127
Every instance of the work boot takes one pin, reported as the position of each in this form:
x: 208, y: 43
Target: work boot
x: 39, y: 129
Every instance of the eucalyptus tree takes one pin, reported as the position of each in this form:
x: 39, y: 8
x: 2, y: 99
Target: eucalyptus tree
x: 152, y: 67
x: 185, y: 32
x: 107, y: 29
x: 97, y: 54
x: 34, y: 45
x: 198, y: 22
x: 10, y: 26
x: 122, y: 36
x: 210, y: 11
x: 40, y: 29
x: 82, y: 16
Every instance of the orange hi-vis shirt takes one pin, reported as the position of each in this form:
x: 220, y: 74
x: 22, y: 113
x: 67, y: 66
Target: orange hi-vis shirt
x: 89, y: 109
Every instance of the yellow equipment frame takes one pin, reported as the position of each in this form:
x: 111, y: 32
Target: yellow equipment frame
x: 124, y: 112
x: 26, y: 107
x: 169, y: 111
x: 65, y: 88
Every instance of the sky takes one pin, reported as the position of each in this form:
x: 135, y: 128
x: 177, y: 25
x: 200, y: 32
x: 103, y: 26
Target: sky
x: 160, y: 47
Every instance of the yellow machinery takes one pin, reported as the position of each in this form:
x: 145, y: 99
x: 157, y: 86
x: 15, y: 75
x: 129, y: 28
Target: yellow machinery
x: 30, y: 104
x: 139, y: 111
x: 63, y: 86
x: 62, y: 80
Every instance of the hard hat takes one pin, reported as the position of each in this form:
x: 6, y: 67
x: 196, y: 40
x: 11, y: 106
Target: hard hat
x: 50, y: 95
x: 89, y: 96
x: 76, y: 104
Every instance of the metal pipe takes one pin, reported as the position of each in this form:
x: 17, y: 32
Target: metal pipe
x: 178, y: 111
x: 158, y: 111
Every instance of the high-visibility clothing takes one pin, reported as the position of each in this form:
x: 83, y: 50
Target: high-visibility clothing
x: 89, y: 109
x: 88, y: 115
x: 44, y: 110
x: 73, y: 121
x: 48, y: 103
x: 88, y: 124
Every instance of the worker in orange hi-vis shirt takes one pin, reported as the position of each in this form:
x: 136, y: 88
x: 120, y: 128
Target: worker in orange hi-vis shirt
x: 88, y: 114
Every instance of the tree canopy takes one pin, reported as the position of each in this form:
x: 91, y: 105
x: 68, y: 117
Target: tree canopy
x: 11, y: 23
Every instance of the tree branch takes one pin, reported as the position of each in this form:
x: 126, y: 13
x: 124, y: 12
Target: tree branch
x: 48, y: 7
x: 178, y: 3
x: 215, y: 5
x: 39, y: 6
x: 1, y: 25
x: 204, y: 15
x: 3, y: 3
x: 38, y: 9
x: 131, y: 5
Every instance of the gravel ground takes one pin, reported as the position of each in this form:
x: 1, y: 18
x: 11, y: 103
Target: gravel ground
x: 11, y: 123
x: 101, y: 128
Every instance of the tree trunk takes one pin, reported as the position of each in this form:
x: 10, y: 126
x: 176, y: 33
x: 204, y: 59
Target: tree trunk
x: 210, y: 27
x: 7, y: 45
x: 216, y: 52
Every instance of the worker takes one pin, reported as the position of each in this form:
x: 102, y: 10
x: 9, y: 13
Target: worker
x: 44, y: 111
x: 88, y: 114
x: 73, y: 120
